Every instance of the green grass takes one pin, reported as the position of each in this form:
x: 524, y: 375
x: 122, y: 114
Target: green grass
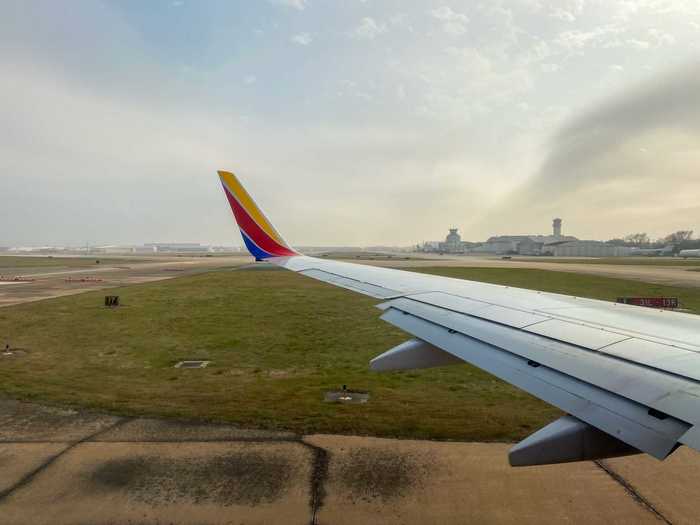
x: 592, y: 286
x: 20, y: 261
x: 278, y: 341
x: 624, y: 261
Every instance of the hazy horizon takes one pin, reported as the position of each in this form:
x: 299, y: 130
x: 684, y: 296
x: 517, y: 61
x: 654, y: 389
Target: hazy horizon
x: 365, y: 123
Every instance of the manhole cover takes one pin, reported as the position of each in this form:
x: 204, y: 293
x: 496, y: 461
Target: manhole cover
x: 15, y: 352
x: 349, y: 397
x: 192, y: 364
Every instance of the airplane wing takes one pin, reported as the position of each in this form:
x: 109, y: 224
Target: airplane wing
x: 628, y: 377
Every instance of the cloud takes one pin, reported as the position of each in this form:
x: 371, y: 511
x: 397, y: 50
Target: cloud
x: 563, y: 14
x: 602, y: 36
x: 631, y: 160
x: 637, y: 44
x: 475, y: 86
x: 368, y: 29
x: 469, y: 113
x: 661, y: 38
x: 453, y: 23
x: 303, y: 39
x: 128, y: 182
x: 550, y: 68
x: 300, y: 5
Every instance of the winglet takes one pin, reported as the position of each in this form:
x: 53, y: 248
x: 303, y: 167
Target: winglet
x: 260, y: 236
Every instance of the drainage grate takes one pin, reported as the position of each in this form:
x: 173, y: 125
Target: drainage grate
x: 15, y: 352
x: 349, y: 397
x: 192, y: 364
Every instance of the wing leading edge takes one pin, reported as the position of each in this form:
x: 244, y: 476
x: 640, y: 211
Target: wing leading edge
x: 629, y: 377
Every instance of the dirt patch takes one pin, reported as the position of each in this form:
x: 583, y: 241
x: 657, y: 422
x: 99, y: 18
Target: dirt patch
x: 235, y: 478
x: 370, y: 474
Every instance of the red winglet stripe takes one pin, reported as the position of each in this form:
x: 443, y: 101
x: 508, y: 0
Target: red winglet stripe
x: 253, y: 231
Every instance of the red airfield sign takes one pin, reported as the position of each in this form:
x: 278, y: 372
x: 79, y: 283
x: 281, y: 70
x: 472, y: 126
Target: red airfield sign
x: 651, y: 302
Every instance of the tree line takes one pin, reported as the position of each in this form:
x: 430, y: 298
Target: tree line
x: 680, y: 240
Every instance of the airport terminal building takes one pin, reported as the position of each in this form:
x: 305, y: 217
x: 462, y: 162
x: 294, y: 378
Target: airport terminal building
x: 556, y: 244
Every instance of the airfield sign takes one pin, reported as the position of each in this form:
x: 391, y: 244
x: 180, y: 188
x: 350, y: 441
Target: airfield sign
x: 651, y: 302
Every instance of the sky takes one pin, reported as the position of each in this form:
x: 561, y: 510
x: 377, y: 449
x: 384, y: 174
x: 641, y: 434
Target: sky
x: 361, y: 122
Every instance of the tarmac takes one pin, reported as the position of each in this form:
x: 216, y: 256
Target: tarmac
x: 50, y: 282
x: 58, y: 282
x: 64, y: 466
x: 682, y: 276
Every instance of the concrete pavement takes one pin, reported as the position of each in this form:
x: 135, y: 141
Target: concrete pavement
x: 64, y: 466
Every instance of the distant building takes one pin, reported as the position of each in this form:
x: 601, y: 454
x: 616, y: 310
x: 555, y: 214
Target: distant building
x: 502, y: 244
x: 587, y: 249
x: 525, y: 244
x: 509, y: 244
x: 453, y: 242
x: 530, y: 247
x: 556, y: 227
x: 177, y: 247
x: 429, y: 246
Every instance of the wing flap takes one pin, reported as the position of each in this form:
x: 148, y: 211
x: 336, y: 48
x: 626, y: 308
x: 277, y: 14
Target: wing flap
x: 672, y: 359
x: 664, y: 392
x: 620, y: 417
x: 585, y: 336
x: 574, y: 338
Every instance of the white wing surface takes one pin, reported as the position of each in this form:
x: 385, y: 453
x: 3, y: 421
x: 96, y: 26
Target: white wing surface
x: 627, y: 376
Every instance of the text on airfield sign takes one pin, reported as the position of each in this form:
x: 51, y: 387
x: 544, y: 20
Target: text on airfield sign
x: 651, y: 302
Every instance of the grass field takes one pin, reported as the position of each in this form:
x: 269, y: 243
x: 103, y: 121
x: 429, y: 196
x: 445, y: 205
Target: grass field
x: 277, y: 342
x: 625, y: 261
x: 23, y: 261
x: 371, y: 256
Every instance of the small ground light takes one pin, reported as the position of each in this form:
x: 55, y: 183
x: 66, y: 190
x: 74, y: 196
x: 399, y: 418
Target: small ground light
x: 192, y: 364
x: 346, y: 396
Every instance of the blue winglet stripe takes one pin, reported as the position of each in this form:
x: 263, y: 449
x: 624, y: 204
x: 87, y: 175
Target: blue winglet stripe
x: 253, y: 248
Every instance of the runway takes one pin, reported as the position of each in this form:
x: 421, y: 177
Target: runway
x: 50, y: 283
x: 58, y: 282
x: 667, y: 275
x: 64, y: 466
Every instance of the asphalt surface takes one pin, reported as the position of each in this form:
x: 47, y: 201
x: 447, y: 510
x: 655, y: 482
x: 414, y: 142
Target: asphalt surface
x: 57, y: 282
x: 49, y: 282
x: 62, y: 466
x: 666, y: 275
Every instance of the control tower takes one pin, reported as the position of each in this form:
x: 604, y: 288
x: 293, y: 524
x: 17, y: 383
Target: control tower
x: 556, y: 227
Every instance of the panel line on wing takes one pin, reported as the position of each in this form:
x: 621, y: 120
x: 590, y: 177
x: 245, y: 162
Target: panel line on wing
x: 660, y: 389
x: 589, y: 403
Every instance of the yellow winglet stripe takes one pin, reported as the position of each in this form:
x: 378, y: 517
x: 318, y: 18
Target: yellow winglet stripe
x: 249, y: 205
